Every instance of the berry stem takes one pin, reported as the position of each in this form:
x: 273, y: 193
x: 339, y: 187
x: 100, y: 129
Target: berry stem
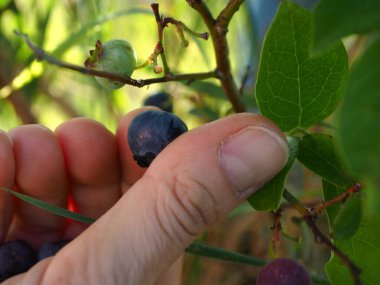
x: 160, y: 29
x: 308, y: 217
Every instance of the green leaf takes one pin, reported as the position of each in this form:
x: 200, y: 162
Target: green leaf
x: 294, y: 88
x: 331, y: 191
x: 81, y: 33
x: 317, y: 152
x: 202, y: 249
x: 268, y: 198
x: 334, y: 19
x: 50, y: 208
x: 348, y: 219
x: 363, y: 247
x: 364, y: 250
x: 359, y: 121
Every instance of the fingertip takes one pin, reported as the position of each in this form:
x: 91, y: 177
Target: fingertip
x: 92, y: 165
x: 7, y: 175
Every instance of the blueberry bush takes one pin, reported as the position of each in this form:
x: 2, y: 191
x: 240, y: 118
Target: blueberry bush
x: 312, y: 67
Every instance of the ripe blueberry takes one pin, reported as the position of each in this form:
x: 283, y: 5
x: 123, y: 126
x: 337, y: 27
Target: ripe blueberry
x: 161, y: 100
x: 283, y: 271
x: 115, y: 56
x: 150, y: 132
x: 51, y: 248
x: 15, y: 257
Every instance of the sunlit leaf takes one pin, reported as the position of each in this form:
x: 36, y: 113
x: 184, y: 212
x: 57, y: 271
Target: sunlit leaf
x: 79, y: 35
x: 295, y: 89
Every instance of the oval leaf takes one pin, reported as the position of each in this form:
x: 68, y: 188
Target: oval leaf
x: 268, y: 198
x: 348, y: 219
x: 295, y: 89
x: 317, y: 152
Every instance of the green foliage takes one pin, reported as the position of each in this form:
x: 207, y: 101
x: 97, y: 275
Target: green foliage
x: 359, y: 121
x: 318, y: 153
x: 348, y: 219
x: 294, y: 88
x: 269, y: 196
x: 335, y: 19
x: 362, y: 247
x: 50, y: 208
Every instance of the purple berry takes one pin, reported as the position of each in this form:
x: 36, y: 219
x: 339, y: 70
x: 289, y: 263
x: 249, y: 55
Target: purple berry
x: 15, y: 257
x: 51, y: 248
x: 150, y: 132
x: 283, y: 271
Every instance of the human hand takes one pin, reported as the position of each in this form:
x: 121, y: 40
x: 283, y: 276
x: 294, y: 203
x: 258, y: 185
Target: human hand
x: 199, y: 178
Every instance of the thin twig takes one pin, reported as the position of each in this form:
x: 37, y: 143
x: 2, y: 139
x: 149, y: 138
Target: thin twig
x: 320, y: 207
x: 226, y: 15
x: 160, y: 30
x: 218, y: 30
x: 276, y: 235
x: 42, y: 55
x: 308, y: 217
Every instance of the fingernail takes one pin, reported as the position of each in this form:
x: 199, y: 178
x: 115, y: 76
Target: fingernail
x: 252, y: 157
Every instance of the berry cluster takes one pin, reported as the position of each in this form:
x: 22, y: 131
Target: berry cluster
x: 18, y: 256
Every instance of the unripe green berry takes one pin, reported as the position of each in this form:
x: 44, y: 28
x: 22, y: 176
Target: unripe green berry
x: 115, y: 56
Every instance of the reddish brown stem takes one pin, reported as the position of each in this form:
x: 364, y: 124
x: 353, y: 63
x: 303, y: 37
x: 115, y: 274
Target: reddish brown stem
x: 218, y: 29
x: 320, y: 207
x: 276, y: 235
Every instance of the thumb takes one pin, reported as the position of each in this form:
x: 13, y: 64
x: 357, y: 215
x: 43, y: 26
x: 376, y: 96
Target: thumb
x: 196, y: 180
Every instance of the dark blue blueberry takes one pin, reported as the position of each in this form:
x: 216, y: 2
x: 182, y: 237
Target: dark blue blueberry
x: 150, y: 132
x: 15, y: 257
x: 161, y: 100
x: 51, y: 248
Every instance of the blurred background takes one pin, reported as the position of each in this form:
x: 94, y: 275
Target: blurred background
x: 36, y: 92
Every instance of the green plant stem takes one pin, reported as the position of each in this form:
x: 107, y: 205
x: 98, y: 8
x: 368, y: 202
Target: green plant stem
x: 205, y: 250
x: 320, y: 237
x: 218, y: 29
